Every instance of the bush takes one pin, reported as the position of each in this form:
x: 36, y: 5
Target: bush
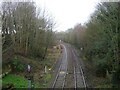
x: 20, y: 67
x: 17, y: 65
x: 37, y: 53
x: 101, y: 68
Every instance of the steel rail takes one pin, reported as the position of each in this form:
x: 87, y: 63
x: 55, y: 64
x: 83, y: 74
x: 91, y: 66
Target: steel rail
x: 81, y: 70
x: 66, y: 66
x: 64, y: 78
x: 75, y: 78
x: 56, y: 78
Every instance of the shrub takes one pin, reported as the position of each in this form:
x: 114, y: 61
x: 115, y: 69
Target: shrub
x: 17, y: 65
x: 101, y: 68
x: 20, y: 67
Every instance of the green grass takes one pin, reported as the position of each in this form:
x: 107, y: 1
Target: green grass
x: 18, y: 81
x: 104, y: 86
x: 47, y: 77
x: 0, y: 82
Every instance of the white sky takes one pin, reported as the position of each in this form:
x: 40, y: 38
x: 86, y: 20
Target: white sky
x: 68, y: 13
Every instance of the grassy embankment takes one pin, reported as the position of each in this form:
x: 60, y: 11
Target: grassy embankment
x: 40, y: 78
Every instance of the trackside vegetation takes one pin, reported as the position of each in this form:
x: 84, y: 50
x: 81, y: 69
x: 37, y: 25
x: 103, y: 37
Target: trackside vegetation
x: 98, y: 41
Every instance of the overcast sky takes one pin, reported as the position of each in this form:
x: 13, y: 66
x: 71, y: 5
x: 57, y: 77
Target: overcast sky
x: 67, y: 13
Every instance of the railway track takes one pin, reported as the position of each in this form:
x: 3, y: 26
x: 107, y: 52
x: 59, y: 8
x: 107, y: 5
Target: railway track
x: 59, y: 81
x: 63, y: 77
x: 79, y: 75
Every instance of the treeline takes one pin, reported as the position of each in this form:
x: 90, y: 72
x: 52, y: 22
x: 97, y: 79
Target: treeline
x: 26, y: 28
x: 98, y: 40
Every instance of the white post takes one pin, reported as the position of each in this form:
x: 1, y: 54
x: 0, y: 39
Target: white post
x: 81, y: 48
x: 45, y: 69
x: 29, y: 84
x: 29, y: 78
